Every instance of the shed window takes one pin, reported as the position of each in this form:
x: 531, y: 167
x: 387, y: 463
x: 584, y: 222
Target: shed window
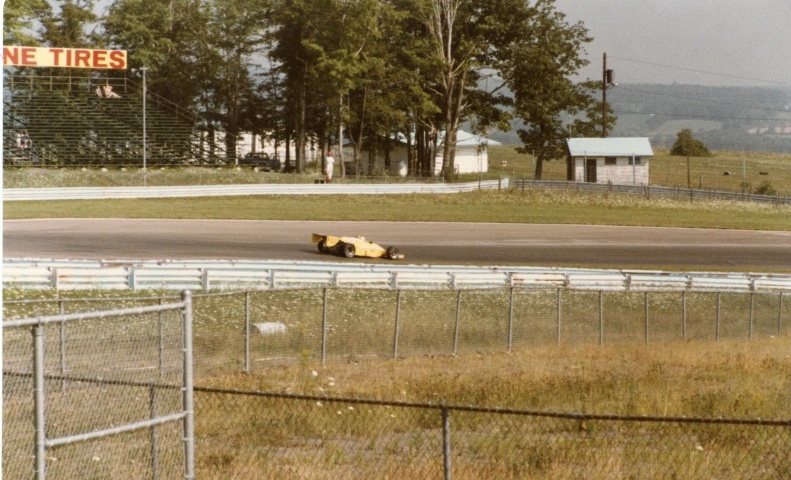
x: 610, y: 161
x: 635, y: 161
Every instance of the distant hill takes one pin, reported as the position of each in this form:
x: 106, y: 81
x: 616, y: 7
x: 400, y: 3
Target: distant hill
x: 723, y: 118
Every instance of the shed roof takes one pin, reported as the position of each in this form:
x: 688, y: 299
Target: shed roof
x: 610, y: 147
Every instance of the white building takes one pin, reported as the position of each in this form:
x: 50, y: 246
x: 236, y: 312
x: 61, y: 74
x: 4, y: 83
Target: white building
x: 472, y: 154
x: 620, y: 161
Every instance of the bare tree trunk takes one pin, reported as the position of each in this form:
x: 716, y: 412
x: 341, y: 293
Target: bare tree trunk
x: 340, y: 136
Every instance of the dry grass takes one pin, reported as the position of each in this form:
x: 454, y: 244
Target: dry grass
x: 730, y: 379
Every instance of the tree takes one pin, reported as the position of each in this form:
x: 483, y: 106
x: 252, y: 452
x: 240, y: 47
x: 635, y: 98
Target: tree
x: 687, y: 146
x: 18, y: 21
x: 539, y: 74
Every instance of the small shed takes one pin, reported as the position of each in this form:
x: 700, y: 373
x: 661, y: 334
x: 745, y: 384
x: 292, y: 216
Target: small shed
x: 620, y: 161
x: 472, y: 153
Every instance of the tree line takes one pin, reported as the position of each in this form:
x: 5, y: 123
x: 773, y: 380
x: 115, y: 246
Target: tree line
x: 332, y: 72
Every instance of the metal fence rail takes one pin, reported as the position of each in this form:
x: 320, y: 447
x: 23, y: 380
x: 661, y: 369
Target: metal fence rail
x: 358, y: 438
x: 236, y: 275
x: 649, y: 191
x: 77, y: 361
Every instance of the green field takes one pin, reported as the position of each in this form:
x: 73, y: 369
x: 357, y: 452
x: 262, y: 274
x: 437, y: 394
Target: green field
x: 703, y: 377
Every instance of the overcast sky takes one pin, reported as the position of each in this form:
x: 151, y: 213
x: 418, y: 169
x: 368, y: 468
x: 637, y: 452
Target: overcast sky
x: 738, y: 42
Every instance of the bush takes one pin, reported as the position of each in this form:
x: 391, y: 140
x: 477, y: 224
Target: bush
x: 765, y: 188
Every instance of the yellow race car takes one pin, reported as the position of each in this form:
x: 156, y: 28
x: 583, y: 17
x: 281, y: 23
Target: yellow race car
x: 351, y: 247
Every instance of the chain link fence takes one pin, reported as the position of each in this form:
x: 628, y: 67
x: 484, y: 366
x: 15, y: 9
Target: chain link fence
x: 291, y: 436
x: 129, y: 366
x: 98, y: 395
x: 254, y: 330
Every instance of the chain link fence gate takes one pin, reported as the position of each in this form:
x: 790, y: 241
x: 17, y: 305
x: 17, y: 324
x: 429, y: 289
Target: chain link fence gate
x: 111, y: 390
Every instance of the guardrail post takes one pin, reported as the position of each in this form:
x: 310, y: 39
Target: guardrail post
x: 456, y: 327
x: 446, y: 442
x: 397, y: 324
x: 205, y: 279
x: 38, y: 394
x: 780, y: 315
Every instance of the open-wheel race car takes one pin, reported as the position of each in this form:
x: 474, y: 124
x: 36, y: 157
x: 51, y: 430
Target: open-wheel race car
x: 350, y: 247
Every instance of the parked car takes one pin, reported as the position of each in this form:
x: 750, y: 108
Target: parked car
x: 262, y: 160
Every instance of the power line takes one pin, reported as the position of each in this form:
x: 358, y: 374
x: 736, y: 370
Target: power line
x: 704, y: 117
x: 693, y: 70
x: 740, y: 105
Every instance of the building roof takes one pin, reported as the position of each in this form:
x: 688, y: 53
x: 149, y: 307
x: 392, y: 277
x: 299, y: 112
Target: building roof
x: 610, y: 147
x: 463, y: 139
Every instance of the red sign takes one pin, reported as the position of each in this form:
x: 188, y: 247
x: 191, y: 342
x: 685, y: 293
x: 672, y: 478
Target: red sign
x: 64, y: 57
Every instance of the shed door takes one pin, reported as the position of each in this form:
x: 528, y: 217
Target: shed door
x: 590, y: 170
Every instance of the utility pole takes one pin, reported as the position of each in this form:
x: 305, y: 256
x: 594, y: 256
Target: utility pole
x: 606, y: 80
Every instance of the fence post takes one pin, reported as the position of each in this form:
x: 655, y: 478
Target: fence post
x: 646, y: 318
x: 601, y: 317
x: 38, y: 393
x: 161, y: 329
x: 187, y: 397
x: 511, y: 319
x: 559, y: 308
x: 397, y: 324
x: 247, y: 331
x: 684, y: 315
x: 717, y: 326
x: 752, y: 307
x: 152, y: 405
x: 446, y: 442
x: 456, y: 327
x: 780, y: 315
x: 62, y: 310
x: 324, y: 329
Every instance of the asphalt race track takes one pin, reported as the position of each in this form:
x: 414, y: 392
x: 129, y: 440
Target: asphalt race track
x: 422, y: 243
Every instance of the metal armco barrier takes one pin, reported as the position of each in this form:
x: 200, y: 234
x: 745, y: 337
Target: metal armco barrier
x: 234, y: 275
x: 88, y: 193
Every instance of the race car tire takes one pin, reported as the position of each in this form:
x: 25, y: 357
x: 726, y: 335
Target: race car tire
x: 392, y: 253
x: 323, y: 246
x: 348, y: 250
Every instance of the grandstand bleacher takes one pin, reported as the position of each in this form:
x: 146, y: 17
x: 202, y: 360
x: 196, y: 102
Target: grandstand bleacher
x: 70, y: 125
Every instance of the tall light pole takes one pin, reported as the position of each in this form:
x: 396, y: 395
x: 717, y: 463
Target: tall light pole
x: 145, y: 174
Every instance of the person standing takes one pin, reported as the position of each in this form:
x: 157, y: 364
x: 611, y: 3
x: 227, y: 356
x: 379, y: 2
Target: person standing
x: 25, y: 144
x: 330, y: 163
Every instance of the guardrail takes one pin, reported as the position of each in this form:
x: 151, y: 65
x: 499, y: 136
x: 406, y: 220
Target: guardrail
x: 88, y: 193
x: 649, y: 191
x: 226, y: 275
